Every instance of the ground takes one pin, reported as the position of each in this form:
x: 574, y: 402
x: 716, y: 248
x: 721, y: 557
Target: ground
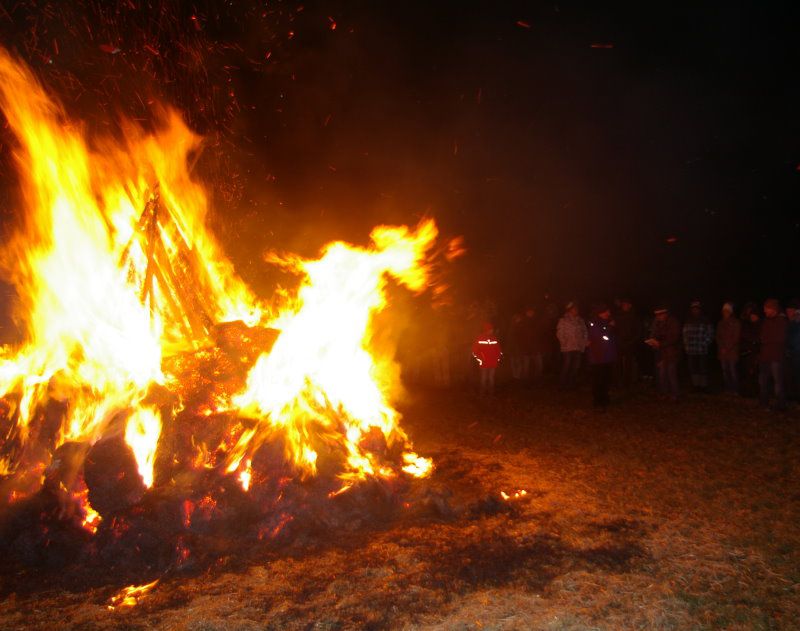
x: 651, y: 515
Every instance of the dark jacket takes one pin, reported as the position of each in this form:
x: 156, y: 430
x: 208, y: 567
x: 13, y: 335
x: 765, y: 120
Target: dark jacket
x: 773, y: 339
x: 729, y: 332
x: 668, y: 334
x: 748, y: 341
x: 629, y: 331
x: 602, y: 342
x: 531, y: 342
x: 793, y: 338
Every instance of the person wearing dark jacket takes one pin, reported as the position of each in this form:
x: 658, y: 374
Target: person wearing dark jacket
x: 729, y: 332
x: 532, y: 345
x: 748, y: 350
x: 665, y: 339
x: 772, y: 355
x: 629, y: 337
x: 602, y: 353
x: 793, y: 349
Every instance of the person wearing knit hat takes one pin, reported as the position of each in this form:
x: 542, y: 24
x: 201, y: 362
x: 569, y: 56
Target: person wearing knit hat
x: 771, y: 355
x: 729, y: 333
x: 698, y: 334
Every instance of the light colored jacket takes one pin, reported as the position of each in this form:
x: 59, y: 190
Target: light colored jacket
x: 572, y: 334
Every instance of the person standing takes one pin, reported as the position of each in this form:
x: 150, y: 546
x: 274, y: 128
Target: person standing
x: 629, y: 337
x: 487, y: 352
x: 771, y: 355
x: 532, y: 345
x: 793, y: 349
x: 602, y: 353
x: 729, y: 332
x: 514, y: 347
x: 697, y: 336
x: 748, y: 348
x: 665, y: 339
x: 573, y: 338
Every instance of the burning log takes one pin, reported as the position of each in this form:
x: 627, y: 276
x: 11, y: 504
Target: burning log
x: 112, y: 476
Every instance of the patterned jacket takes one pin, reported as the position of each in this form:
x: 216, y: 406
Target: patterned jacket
x: 572, y: 334
x: 697, y: 336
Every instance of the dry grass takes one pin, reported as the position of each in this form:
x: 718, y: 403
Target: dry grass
x: 650, y: 516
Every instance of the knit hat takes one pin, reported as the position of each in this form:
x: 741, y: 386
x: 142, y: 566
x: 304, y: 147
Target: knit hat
x: 570, y: 305
x: 660, y: 308
x: 696, y: 304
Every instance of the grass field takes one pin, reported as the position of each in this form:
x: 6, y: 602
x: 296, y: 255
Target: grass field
x: 648, y: 516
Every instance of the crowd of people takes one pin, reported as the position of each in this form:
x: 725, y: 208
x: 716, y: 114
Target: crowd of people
x: 757, y: 351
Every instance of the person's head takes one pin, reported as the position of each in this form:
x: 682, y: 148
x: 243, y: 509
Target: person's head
x: 793, y: 308
x: 571, y: 309
x: 487, y: 328
x: 602, y: 311
x: 530, y: 312
x: 661, y: 313
x: 625, y: 304
x: 771, y: 307
x: 727, y: 310
x: 696, y: 308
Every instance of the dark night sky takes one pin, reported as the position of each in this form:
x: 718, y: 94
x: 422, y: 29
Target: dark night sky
x: 567, y: 167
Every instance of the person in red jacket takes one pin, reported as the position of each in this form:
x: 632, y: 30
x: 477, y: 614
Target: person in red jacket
x: 487, y: 352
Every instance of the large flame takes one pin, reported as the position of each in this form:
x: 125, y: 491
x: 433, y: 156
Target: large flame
x: 321, y: 381
x: 116, y: 272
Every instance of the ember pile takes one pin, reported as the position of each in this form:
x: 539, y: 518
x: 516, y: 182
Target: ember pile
x: 156, y: 410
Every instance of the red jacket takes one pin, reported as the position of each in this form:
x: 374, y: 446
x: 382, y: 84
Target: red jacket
x: 487, y: 350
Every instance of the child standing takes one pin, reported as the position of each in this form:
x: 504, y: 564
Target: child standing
x: 487, y: 351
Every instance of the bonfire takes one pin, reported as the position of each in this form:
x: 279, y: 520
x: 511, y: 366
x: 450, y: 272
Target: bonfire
x: 155, y: 403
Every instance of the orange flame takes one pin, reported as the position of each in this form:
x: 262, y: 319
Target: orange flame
x: 117, y: 272
x: 141, y: 434
x: 322, y: 382
x: 130, y: 596
x: 86, y: 254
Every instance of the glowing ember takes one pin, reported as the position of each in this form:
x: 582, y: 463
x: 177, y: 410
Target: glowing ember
x: 514, y: 496
x: 130, y: 596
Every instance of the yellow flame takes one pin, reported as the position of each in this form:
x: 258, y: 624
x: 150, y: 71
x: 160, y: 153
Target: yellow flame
x: 323, y: 382
x: 117, y: 272
x: 246, y: 475
x: 141, y: 434
x: 113, y: 234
